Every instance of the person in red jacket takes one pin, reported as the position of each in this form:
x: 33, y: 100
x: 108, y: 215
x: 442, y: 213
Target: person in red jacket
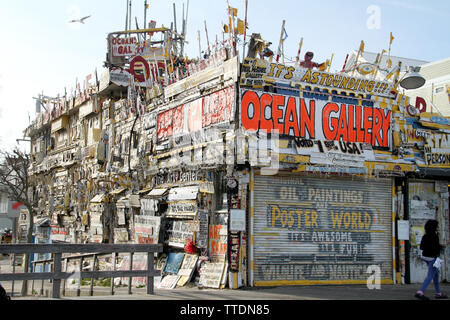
x: 431, y: 249
x: 308, y: 63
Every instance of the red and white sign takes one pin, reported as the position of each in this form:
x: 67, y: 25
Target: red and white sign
x: 201, y: 113
x: 315, y: 119
x: 122, y: 47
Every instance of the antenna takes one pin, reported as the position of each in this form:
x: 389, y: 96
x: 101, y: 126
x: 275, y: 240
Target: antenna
x: 175, y: 17
x: 145, y: 18
x: 199, y: 45
x: 207, y: 38
x: 184, y: 28
x: 129, y: 16
x: 245, y: 30
x: 126, y: 18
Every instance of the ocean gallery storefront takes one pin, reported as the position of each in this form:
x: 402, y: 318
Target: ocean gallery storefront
x: 325, y: 219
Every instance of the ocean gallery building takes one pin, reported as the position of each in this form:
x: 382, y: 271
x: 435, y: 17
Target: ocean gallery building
x: 267, y: 173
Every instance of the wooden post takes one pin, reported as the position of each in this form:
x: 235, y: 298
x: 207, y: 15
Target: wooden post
x: 79, y: 278
x: 150, y: 268
x: 32, y: 283
x: 113, y: 257
x: 66, y: 263
x: 41, y: 293
x: 57, y: 272
x: 91, y: 291
x: 14, y: 271
x: 130, y: 279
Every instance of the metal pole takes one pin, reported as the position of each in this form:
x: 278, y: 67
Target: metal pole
x: 245, y: 30
x: 126, y: 18
x: 129, y: 16
x: 184, y: 28
x: 199, y: 45
x: 145, y: 18
x: 175, y: 17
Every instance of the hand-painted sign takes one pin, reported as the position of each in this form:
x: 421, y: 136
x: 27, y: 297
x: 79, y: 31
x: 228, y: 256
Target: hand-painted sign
x: 201, y: 113
x: 122, y: 47
x: 256, y: 72
x: 315, y: 119
x: 146, y: 229
x: 437, y: 150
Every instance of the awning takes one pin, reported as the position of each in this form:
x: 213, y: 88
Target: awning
x: 117, y: 191
x: 98, y: 198
x: 183, y: 193
x: 135, y: 201
x: 144, y: 190
x: 122, y: 202
x: 158, y: 192
x: 435, y: 173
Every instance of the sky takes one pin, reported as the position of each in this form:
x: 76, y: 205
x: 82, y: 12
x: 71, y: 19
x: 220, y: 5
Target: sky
x: 42, y: 53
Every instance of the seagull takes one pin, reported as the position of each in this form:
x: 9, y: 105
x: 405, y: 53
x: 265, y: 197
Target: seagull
x: 80, y: 20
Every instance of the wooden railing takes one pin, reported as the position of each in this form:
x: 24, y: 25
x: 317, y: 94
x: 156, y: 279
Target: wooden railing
x: 57, y: 275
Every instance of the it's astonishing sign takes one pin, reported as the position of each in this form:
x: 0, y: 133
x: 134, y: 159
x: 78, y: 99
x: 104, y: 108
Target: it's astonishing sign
x: 314, y: 119
x: 257, y: 72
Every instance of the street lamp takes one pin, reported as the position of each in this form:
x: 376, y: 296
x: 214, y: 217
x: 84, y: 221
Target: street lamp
x: 413, y: 79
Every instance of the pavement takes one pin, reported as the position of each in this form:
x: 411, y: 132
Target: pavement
x: 193, y: 293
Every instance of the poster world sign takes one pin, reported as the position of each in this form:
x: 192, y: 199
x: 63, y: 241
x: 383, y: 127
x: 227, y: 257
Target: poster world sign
x: 314, y: 119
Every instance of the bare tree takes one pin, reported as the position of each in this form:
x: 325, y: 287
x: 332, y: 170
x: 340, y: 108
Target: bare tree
x: 15, y: 183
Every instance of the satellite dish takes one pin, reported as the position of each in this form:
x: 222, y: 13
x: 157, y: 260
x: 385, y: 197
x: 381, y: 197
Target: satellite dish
x: 413, y: 79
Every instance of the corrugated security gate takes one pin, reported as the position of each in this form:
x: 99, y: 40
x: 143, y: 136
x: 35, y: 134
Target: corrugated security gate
x: 321, y: 231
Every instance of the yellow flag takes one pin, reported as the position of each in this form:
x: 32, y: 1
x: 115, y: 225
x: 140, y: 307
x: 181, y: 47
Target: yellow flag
x: 392, y: 39
x: 389, y: 63
x: 361, y: 47
x: 241, y: 26
x: 233, y: 11
x: 225, y: 28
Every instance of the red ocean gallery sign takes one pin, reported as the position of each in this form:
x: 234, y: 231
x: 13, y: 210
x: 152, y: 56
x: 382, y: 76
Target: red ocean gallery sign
x: 314, y: 119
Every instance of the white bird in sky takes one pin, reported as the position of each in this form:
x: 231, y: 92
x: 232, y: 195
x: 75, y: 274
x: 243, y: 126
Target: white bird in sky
x: 80, y: 20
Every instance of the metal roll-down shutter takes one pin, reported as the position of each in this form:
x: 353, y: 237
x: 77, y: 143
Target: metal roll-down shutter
x: 312, y: 230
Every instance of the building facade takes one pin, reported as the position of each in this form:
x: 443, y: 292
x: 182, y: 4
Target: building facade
x: 278, y: 174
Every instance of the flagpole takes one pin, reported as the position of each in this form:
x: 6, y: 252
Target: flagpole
x: 207, y: 38
x: 145, y: 19
x: 357, y: 56
x: 297, y: 59
x: 199, y: 45
x: 245, y: 30
x: 281, y: 40
x: 378, y: 62
x: 331, y: 61
x: 389, y: 61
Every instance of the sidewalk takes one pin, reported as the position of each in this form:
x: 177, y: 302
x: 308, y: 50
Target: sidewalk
x: 191, y: 292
